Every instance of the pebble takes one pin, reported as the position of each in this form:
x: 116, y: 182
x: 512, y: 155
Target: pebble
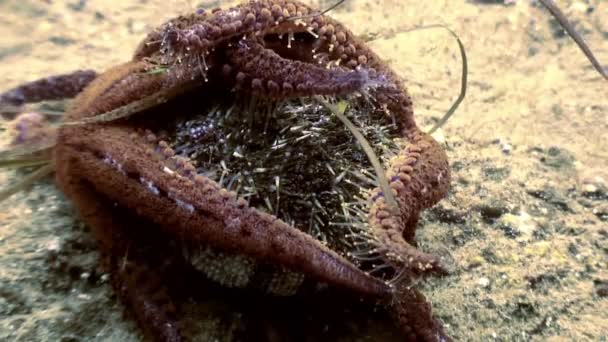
x: 601, y: 211
x: 105, y: 278
x: 506, y: 148
x: 601, y: 287
x: 589, y: 189
x: 595, y: 188
x: 558, y: 158
x: 84, y: 296
x: 476, y: 261
x: 53, y: 245
x: 483, y: 282
x: 492, y: 210
x: 521, y: 225
x: 550, y: 194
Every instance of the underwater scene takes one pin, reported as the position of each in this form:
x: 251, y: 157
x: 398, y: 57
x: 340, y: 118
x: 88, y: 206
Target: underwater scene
x: 303, y: 170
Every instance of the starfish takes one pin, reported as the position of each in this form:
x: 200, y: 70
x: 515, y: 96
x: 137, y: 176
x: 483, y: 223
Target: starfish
x: 113, y: 159
x: 49, y: 88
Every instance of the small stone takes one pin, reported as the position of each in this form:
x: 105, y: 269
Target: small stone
x: 595, y: 188
x: 62, y: 40
x: 53, y: 245
x: 476, y: 261
x: 558, y: 158
x: 601, y: 287
x: 601, y: 211
x: 589, y: 189
x: 505, y: 146
x: 448, y: 214
x: 496, y: 174
x: 83, y: 296
x: 551, y: 195
x: 492, y: 210
x: 136, y: 27
x: 520, y: 225
x: 77, y: 6
x: 483, y: 282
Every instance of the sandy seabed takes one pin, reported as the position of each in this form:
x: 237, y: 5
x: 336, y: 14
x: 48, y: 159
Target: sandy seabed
x: 526, y: 220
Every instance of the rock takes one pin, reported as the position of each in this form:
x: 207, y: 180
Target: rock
x: 506, y: 148
x: 62, y: 40
x: 601, y: 211
x: 464, y: 233
x: 77, y: 6
x: 589, y: 189
x: 551, y: 196
x: 492, y: 210
x: 595, y: 188
x: 601, y: 287
x: 448, y: 214
x: 475, y: 261
x: 558, y: 158
x: 543, y: 281
x: 496, y: 173
x: 521, y: 225
x: 484, y: 282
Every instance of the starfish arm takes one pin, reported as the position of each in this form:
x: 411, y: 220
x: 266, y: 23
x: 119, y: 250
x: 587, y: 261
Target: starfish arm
x: 419, y: 177
x: 264, y: 72
x: 49, y: 88
x: 126, y: 90
x: 144, y: 179
x: 338, y: 45
x: 413, y: 314
x: 119, y: 86
x: 201, y: 32
x: 142, y: 291
x: 135, y: 279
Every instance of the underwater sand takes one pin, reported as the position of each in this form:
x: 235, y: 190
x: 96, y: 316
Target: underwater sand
x: 526, y: 222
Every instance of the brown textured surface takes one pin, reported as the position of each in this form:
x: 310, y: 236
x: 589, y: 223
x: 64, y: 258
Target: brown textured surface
x: 419, y: 177
x: 218, y: 218
x: 117, y: 162
x: 337, y: 46
x: 265, y: 73
x: 522, y: 97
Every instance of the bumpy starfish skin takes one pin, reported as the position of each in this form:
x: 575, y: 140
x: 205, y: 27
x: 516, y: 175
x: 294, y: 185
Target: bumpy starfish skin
x: 201, y: 210
x: 201, y: 32
x: 254, y: 48
x: 419, y: 177
x: 264, y: 72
